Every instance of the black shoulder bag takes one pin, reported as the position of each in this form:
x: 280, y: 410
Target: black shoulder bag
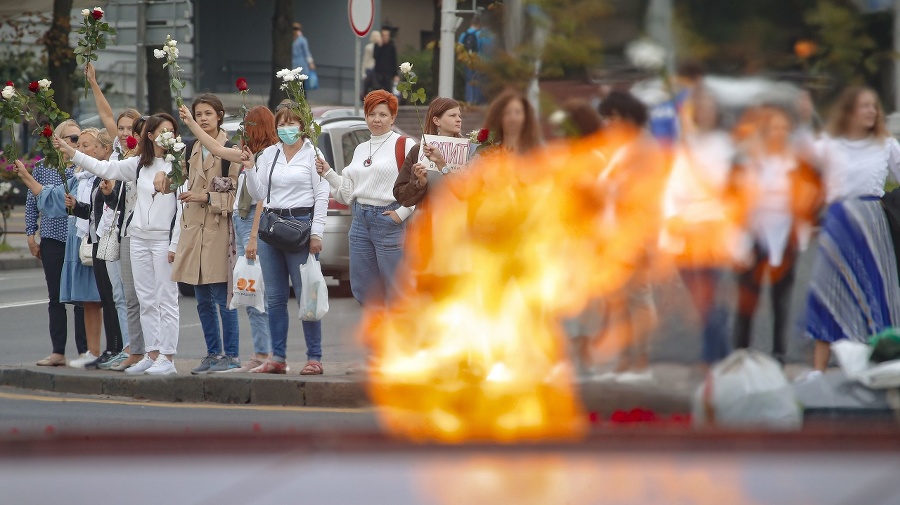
x: 285, y: 234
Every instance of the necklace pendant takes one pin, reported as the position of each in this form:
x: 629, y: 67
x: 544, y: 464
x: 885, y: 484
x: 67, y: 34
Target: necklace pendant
x: 368, y: 162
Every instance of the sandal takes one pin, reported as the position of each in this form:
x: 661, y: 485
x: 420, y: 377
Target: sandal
x: 312, y: 368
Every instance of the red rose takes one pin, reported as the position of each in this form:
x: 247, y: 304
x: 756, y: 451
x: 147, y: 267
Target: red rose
x: 34, y: 87
x: 594, y: 417
x: 241, y: 84
x: 10, y: 83
x: 97, y: 14
x: 619, y: 416
x: 483, y: 135
x: 47, y: 131
x: 131, y: 142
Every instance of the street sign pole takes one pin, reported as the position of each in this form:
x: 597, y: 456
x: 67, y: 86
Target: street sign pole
x: 361, y: 14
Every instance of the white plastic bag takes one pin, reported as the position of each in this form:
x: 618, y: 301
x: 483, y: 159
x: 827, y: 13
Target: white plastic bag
x: 313, y: 297
x: 852, y: 356
x: 747, y: 390
x: 247, y: 288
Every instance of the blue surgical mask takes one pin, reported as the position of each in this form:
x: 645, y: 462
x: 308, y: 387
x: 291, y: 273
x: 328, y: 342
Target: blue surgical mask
x: 289, y: 134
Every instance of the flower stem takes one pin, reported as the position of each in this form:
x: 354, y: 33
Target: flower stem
x: 421, y: 125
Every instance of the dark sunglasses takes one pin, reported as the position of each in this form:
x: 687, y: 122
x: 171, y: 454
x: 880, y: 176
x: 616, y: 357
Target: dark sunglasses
x: 72, y: 138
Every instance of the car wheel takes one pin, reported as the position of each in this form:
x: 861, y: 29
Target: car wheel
x: 185, y: 289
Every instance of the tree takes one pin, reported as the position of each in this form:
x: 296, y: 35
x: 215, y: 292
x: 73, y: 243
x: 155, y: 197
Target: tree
x: 60, y: 58
x: 282, y: 51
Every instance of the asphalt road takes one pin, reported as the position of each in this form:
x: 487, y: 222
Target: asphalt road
x: 29, y: 413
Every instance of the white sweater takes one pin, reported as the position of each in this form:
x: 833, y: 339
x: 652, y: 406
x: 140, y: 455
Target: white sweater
x: 372, y: 185
x: 152, y: 218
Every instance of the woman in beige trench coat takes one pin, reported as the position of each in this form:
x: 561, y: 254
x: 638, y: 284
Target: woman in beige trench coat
x: 205, y: 240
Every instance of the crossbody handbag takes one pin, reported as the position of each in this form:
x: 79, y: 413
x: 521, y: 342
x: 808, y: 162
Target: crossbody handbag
x: 284, y: 234
x: 108, y: 245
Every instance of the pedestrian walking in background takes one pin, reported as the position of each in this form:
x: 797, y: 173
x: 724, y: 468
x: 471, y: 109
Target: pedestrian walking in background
x: 471, y: 42
x: 302, y: 57
x: 854, y: 291
x: 377, y: 231
x: 368, y: 64
x: 152, y: 250
x: 205, y: 255
x: 260, y: 131
x: 52, y: 252
x: 284, y: 178
x: 386, y: 66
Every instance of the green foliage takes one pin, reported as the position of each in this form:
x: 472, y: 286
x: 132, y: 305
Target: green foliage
x: 43, y: 109
x: 93, y: 38
x: 407, y: 89
x: 845, y: 49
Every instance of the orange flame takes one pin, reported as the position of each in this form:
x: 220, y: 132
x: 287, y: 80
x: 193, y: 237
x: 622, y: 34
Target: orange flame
x: 521, y: 243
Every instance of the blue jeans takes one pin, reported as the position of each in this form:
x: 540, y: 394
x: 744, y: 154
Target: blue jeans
x: 114, y: 269
x: 278, y: 267
x: 703, y: 286
x: 259, y: 321
x: 473, y: 86
x: 376, y: 247
x: 208, y: 297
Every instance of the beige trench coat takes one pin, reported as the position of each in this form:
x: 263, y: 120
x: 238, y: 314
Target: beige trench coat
x: 202, y: 254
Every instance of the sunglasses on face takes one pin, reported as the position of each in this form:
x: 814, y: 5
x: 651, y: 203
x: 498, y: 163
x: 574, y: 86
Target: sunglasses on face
x: 72, y: 138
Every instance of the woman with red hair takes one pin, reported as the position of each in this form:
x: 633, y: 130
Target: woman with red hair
x: 367, y: 184
x: 260, y: 132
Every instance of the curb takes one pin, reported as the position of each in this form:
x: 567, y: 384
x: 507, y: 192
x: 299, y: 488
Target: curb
x: 194, y: 389
x: 332, y: 392
x: 22, y: 263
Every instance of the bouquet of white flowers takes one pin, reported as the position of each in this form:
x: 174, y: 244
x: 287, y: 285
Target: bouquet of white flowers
x: 169, y: 52
x: 174, y: 154
x: 293, y: 85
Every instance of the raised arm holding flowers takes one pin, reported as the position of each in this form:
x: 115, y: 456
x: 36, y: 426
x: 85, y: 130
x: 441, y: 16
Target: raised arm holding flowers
x: 94, y: 32
x: 12, y: 108
x: 42, y: 106
x: 293, y: 86
x: 169, y: 52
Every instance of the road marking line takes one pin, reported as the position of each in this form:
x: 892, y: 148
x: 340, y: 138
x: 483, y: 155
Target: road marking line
x: 138, y: 403
x: 22, y: 304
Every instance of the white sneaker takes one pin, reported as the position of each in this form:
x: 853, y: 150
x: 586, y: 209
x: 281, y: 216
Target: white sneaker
x: 644, y: 377
x: 84, y: 359
x: 808, y: 376
x: 140, y: 367
x: 162, y: 366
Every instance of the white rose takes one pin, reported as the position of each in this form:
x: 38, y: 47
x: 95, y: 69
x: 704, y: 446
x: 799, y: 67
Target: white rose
x: 174, y: 52
x: 8, y: 92
x: 85, y: 12
x: 302, y: 77
x: 178, y: 146
x: 16, y: 191
x: 44, y: 83
x: 646, y: 55
x: 168, y: 135
x: 172, y: 43
x: 406, y: 67
x: 281, y: 73
x: 297, y: 71
x: 288, y: 77
x: 178, y: 138
x: 170, y: 158
x: 558, y: 117
x: 159, y: 54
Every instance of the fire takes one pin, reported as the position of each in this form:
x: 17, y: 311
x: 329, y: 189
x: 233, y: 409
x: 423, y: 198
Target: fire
x: 475, y: 348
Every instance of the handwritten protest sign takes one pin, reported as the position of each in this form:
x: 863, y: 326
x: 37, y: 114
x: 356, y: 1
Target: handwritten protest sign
x: 455, y: 151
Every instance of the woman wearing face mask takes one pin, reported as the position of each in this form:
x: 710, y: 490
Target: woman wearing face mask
x: 152, y: 250
x: 377, y: 231
x: 260, y: 130
x: 285, y: 180
x: 854, y: 292
x: 204, y: 237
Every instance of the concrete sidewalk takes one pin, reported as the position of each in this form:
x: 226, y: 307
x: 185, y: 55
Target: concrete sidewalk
x: 669, y: 393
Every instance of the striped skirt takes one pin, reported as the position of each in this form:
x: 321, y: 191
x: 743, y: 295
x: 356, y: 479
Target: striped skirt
x: 854, y: 290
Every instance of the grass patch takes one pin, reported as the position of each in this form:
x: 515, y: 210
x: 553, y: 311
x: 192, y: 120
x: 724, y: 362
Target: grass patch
x: 4, y: 247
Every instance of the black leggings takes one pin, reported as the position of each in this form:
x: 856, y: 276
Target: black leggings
x: 110, y: 316
x: 750, y: 284
x: 53, y: 256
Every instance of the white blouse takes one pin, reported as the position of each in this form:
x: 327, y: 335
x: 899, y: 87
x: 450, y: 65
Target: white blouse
x: 855, y: 168
x: 373, y: 184
x: 295, y: 183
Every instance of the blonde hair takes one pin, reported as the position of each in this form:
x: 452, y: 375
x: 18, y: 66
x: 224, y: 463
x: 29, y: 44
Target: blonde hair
x: 61, y: 127
x: 104, y: 138
x: 94, y: 132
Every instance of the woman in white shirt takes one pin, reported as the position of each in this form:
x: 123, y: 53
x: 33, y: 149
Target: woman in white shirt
x: 377, y: 231
x: 767, y: 178
x: 854, y: 291
x: 152, y: 249
x: 285, y: 181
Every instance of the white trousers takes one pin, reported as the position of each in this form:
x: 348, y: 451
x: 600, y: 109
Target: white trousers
x: 157, y: 294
